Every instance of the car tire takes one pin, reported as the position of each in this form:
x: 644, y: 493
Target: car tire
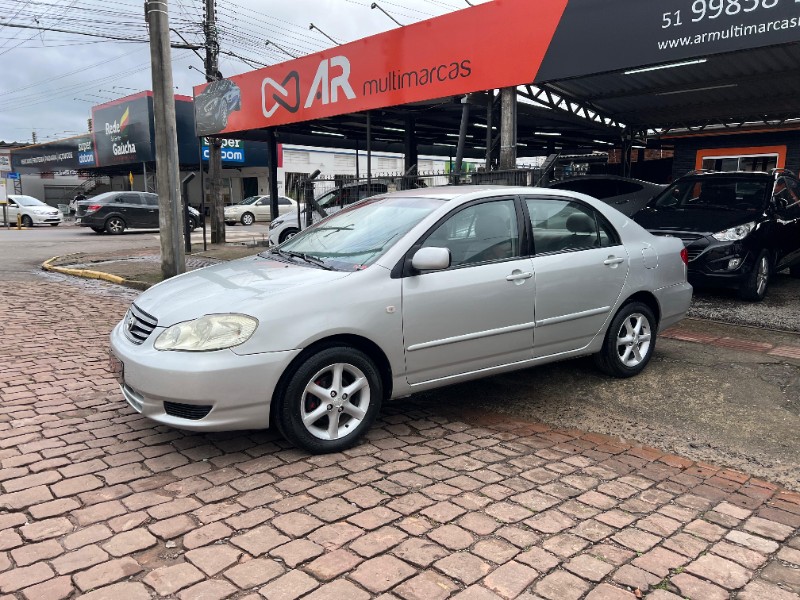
x: 230, y: 223
x: 99, y: 229
x: 754, y: 287
x: 115, y: 226
x: 192, y: 224
x: 630, y: 341
x: 286, y: 234
x: 54, y: 224
x: 330, y: 371
x: 27, y: 221
x: 247, y: 219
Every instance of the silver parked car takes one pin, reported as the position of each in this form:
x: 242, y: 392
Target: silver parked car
x: 398, y: 293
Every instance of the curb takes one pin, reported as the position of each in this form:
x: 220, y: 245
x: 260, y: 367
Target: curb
x: 89, y: 274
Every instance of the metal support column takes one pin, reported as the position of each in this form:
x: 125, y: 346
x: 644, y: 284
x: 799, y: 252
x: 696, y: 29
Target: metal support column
x: 272, y: 153
x: 462, y: 135
x: 369, y: 150
x: 508, y: 129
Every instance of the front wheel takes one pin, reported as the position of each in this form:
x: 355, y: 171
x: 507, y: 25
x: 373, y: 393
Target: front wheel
x: 230, y: 223
x: 248, y: 219
x: 629, y: 342
x: 286, y: 234
x: 115, y: 226
x: 53, y: 224
x: 330, y: 401
x: 754, y: 287
x: 192, y: 224
x: 27, y: 221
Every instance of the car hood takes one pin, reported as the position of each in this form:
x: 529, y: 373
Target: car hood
x: 697, y: 220
x: 240, y: 286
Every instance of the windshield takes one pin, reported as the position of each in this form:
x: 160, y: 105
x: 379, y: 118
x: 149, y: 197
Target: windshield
x: 715, y: 193
x: 357, y: 236
x: 28, y: 201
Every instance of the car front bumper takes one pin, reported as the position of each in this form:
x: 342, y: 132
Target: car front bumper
x: 236, y: 388
x: 45, y: 219
x: 709, y: 265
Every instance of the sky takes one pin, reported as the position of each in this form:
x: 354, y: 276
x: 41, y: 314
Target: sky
x: 50, y: 80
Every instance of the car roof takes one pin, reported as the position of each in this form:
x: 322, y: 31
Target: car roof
x: 451, y: 192
x: 738, y: 174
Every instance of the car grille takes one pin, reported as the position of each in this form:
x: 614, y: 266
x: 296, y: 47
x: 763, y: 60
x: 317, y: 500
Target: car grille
x: 138, y: 324
x: 193, y: 412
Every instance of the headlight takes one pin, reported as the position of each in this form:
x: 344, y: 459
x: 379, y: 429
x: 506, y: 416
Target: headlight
x: 734, y: 234
x: 211, y: 332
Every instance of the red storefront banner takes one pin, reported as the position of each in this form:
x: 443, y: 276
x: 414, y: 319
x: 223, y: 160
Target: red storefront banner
x: 489, y: 46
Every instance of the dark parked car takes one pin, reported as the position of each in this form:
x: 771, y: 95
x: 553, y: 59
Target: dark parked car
x: 738, y: 228
x: 114, y: 212
x: 626, y: 195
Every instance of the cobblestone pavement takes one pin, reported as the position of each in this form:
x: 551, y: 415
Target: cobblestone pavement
x: 99, y: 503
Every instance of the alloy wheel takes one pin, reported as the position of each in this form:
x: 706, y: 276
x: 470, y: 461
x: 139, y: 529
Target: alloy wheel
x: 335, y: 401
x: 633, y: 340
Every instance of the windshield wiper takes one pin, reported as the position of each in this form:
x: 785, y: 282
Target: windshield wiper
x: 309, y: 259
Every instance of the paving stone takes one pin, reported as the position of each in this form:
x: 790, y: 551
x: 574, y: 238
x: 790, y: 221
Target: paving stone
x: 23, y: 577
x: 686, y: 544
x: 660, y: 561
x: 212, y: 589
x: 561, y: 585
x: 720, y: 571
x: 30, y: 553
x: 762, y: 590
x: 168, y: 580
x: 476, y: 592
x: 128, y: 542
x: 53, y: 589
x: 289, y: 586
x: 337, y: 590
x: 494, y: 550
x: 378, y: 541
x: 782, y: 575
x: 638, y: 541
x: 510, y: 579
x: 589, y: 567
x: 106, y: 573
x: 253, y: 573
x: 49, y: 528
x: 463, y: 566
x: 86, y: 557
x: 692, y: 587
x: 128, y: 591
x: 213, y: 559
x: 420, y: 552
x: 605, y: 591
x: 428, y: 585
x: 452, y: 537
x: 753, y: 542
x: 259, y: 540
x: 635, y: 578
x: 297, y: 552
x: 382, y: 573
x: 749, y: 559
x: 296, y: 524
x: 335, y: 536
x: 333, y: 564
x: 768, y: 529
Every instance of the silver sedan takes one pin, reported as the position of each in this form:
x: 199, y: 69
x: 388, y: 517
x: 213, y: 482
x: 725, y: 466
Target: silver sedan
x: 400, y: 293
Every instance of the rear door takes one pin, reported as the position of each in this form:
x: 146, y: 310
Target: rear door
x: 150, y: 211
x: 580, y: 267
x: 261, y: 209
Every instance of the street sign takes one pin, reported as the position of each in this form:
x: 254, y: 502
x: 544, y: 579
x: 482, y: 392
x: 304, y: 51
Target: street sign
x: 12, y: 175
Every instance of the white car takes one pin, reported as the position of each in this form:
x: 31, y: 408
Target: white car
x: 285, y: 226
x: 397, y: 294
x: 257, y: 208
x: 33, y: 211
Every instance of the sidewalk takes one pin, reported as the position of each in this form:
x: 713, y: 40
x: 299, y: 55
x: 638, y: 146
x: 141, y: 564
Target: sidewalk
x: 100, y: 503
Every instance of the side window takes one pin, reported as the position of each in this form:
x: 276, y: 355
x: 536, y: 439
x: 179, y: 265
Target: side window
x: 151, y: 200
x: 283, y: 201
x: 479, y: 233
x: 787, y: 193
x: 563, y: 225
x: 130, y: 199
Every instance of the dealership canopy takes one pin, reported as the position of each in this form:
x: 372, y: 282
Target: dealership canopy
x: 666, y: 64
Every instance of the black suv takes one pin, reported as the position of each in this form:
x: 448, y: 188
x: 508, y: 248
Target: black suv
x: 738, y: 227
x: 114, y: 212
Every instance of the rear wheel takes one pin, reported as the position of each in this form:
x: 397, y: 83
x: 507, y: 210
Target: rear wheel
x: 27, y: 221
x: 248, y: 219
x: 629, y: 342
x: 115, y: 225
x: 286, y: 234
x: 754, y: 287
x: 330, y: 401
x: 98, y: 229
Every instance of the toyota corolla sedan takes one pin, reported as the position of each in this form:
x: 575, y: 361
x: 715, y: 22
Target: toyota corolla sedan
x: 396, y: 294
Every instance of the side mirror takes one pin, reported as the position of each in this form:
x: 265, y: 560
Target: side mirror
x: 431, y: 259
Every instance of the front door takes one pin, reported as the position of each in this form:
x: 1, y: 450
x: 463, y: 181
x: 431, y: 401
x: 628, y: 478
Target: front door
x: 580, y: 267
x: 477, y: 314
x: 786, y: 232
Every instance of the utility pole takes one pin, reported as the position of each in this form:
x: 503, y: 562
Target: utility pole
x: 508, y: 129
x: 214, y: 144
x: 170, y: 215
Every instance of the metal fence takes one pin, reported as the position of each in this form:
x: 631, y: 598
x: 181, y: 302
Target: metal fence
x: 380, y: 183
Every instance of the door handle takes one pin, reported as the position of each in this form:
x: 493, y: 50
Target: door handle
x: 519, y: 276
x: 613, y: 260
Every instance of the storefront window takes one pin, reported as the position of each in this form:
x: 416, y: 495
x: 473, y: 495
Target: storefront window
x: 761, y: 162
